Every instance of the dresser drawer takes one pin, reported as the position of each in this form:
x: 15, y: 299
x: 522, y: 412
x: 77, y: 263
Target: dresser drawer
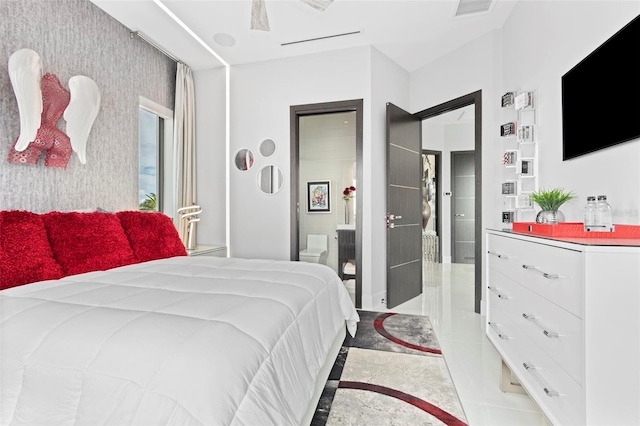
x: 499, y: 319
x: 563, y: 398
x: 548, y: 384
x: 503, y: 293
x: 552, y: 272
x: 556, y: 331
x: 500, y: 330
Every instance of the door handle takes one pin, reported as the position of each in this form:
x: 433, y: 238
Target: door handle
x: 459, y: 214
x: 391, y: 217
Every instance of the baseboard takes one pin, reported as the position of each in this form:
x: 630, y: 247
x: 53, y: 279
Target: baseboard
x: 379, y: 302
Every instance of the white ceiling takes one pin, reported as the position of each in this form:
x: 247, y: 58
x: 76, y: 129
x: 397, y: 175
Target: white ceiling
x: 410, y: 32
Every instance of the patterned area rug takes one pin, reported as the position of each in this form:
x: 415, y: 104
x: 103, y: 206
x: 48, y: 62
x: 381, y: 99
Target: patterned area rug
x: 391, y: 373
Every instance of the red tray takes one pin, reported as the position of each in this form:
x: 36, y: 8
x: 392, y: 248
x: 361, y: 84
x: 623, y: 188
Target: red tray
x: 574, y: 230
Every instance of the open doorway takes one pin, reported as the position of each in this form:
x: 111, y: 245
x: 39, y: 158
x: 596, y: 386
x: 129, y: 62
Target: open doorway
x: 326, y: 160
x: 467, y: 136
x: 462, y: 203
x: 431, y: 205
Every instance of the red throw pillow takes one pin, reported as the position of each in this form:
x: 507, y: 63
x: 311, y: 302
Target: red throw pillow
x: 25, y: 253
x: 152, y: 235
x: 85, y: 242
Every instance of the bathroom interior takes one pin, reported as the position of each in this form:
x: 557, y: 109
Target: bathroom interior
x: 327, y: 153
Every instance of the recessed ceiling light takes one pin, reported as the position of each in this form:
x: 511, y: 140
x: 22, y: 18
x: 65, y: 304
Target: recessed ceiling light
x: 224, y: 39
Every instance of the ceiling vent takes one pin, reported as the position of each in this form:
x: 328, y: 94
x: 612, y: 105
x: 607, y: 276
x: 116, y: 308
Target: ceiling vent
x: 468, y: 7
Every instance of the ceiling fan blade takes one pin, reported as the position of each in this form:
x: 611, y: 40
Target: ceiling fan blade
x: 321, y: 5
x: 259, y: 19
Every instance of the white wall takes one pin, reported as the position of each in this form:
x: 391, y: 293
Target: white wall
x: 211, y: 155
x: 556, y: 36
x: 389, y: 83
x: 539, y: 42
x: 447, y: 138
x: 76, y: 37
x: 262, y: 94
x: 475, y: 66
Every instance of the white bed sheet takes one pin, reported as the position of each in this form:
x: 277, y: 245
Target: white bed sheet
x: 185, y: 340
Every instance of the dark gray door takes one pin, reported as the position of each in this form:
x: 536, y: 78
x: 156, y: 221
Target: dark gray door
x: 463, y: 206
x: 404, y: 206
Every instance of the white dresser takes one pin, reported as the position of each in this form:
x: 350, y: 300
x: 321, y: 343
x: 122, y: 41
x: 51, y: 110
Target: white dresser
x: 565, y: 317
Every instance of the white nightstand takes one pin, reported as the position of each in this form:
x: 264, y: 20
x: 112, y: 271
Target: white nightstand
x: 200, y: 250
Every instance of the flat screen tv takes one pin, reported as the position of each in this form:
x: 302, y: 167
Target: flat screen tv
x: 601, y: 95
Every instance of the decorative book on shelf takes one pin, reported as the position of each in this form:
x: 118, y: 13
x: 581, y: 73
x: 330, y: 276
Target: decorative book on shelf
x: 508, y: 99
x: 510, y: 158
x: 526, y: 167
x: 508, y: 217
x: 508, y: 129
x: 509, y: 188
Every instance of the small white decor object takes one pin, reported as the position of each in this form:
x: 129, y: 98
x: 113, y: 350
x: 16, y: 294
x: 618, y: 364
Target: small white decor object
x: 525, y: 134
x: 524, y: 100
x: 190, y: 214
x: 25, y: 73
x: 81, y: 113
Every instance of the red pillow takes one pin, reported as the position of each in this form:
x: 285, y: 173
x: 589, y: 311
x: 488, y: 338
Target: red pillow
x: 25, y: 253
x: 152, y: 235
x: 85, y: 242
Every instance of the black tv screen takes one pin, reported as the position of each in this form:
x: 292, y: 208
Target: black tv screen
x: 601, y: 95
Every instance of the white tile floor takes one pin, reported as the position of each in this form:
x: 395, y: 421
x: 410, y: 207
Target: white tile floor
x: 474, y: 364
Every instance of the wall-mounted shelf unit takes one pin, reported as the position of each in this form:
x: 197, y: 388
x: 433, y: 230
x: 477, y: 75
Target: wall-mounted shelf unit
x: 520, y: 158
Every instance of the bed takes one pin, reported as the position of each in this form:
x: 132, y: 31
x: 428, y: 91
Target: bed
x: 180, y: 340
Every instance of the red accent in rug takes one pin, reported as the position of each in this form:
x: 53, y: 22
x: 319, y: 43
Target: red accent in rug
x: 378, y: 324
x: 425, y: 406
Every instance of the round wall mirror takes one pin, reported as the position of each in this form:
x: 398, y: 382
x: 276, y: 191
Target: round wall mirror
x: 244, y: 159
x: 267, y: 147
x: 270, y: 179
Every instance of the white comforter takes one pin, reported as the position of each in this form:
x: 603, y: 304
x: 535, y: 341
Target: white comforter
x: 186, y: 340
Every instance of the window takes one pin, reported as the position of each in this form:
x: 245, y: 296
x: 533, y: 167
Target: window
x: 150, y: 135
x: 155, y: 141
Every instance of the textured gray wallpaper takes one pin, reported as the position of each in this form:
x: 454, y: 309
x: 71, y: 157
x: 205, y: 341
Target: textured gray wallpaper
x: 76, y: 37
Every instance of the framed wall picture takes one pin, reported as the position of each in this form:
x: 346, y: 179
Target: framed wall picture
x: 319, y: 196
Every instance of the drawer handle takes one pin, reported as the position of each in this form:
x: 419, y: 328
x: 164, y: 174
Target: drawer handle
x: 530, y: 369
x: 498, y: 255
x: 500, y: 335
x: 544, y: 274
x: 547, y: 333
x: 500, y: 295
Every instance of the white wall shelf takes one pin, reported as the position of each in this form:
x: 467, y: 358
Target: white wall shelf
x: 519, y: 161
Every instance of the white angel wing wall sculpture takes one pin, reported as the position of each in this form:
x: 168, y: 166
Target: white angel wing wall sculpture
x: 81, y: 113
x: 80, y: 104
x: 25, y: 73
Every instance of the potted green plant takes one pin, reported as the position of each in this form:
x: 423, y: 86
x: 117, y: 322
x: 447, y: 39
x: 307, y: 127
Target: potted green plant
x: 550, y: 201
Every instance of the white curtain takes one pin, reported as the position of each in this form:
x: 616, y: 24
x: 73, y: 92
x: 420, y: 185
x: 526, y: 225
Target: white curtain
x: 185, y: 145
